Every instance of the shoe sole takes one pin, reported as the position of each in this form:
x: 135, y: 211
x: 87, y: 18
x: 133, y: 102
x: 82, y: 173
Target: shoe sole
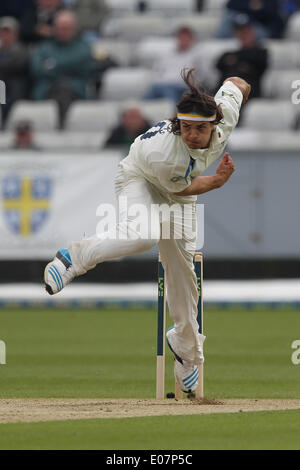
x: 47, y: 286
x: 178, y: 358
x: 65, y: 261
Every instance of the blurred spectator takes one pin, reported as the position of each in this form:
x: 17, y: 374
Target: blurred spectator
x: 266, y: 16
x: 61, y: 67
x: 23, y: 138
x: 142, y: 6
x: 37, y: 23
x: 13, y: 63
x: 168, y: 82
x: 199, y: 4
x: 103, y: 62
x: 248, y: 62
x: 132, y: 124
x: 288, y: 8
x: 15, y: 8
x: 90, y: 14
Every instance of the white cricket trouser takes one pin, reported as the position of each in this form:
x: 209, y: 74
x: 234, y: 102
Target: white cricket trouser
x: 176, y: 249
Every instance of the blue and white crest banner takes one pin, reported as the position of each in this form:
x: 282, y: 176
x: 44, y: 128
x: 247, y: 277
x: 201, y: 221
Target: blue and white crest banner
x: 26, y: 202
x: 48, y: 200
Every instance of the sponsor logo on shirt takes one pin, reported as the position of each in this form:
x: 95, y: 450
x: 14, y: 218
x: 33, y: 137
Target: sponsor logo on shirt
x: 176, y: 178
x: 224, y: 93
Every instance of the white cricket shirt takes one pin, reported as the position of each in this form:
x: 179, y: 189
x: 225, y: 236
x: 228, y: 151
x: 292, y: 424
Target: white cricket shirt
x: 163, y: 158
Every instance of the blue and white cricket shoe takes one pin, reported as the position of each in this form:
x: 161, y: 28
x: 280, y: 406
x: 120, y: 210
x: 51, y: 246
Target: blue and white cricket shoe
x: 186, y: 374
x: 59, y: 272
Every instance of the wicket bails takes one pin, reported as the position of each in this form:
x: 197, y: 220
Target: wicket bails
x: 161, y: 328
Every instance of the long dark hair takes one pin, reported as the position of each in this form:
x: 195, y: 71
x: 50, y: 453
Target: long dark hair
x: 195, y: 100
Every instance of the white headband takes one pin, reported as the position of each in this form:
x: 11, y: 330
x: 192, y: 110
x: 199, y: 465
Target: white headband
x: 195, y: 117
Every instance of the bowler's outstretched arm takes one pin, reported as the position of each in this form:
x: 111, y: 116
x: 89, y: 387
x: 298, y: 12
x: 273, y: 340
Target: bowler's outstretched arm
x: 203, y: 184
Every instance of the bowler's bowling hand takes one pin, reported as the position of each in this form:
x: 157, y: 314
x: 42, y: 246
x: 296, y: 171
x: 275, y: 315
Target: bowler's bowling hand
x: 225, y: 167
x: 244, y: 86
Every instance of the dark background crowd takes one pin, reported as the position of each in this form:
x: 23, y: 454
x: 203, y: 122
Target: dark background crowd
x: 63, y: 54
x: 46, y: 52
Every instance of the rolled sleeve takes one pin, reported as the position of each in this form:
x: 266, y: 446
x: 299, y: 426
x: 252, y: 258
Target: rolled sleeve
x: 230, y: 97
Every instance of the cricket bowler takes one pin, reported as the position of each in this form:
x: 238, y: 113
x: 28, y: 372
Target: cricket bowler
x: 163, y: 168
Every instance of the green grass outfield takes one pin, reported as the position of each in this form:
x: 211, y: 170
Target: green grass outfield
x: 241, y: 431
x: 112, y: 354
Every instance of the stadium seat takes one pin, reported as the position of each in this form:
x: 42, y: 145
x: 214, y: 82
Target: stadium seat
x: 125, y: 83
x: 208, y: 53
x: 167, y: 7
x: 283, y: 54
x: 124, y: 5
x: 117, y: 8
x: 135, y: 27
x: 293, y: 27
x: 285, y: 140
x: 71, y: 141
x: 247, y: 139
x: 151, y: 48
x: 60, y: 141
x: 278, y: 83
x: 122, y: 52
x: 257, y: 140
x: 260, y: 114
x: 6, y: 139
x: 42, y: 114
x: 204, y: 25
x: 212, y: 5
x: 91, y: 116
x: 171, y: 7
